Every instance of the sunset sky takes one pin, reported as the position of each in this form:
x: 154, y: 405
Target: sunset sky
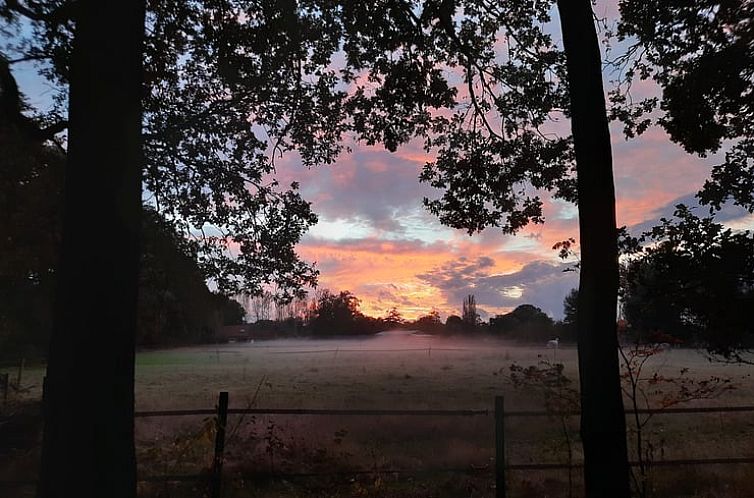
x: 376, y: 240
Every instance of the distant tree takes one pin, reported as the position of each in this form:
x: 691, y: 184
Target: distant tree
x: 338, y: 314
x: 455, y: 324
x: 694, y: 280
x: 526, y: 322
x: 394, y: 318
x: 570, y: 312
x: 233, y: 313
x: 292, y: 316
x: 261, y: 306
x: 469, y: 316
x: 503, y: 324
x: 429, y: 323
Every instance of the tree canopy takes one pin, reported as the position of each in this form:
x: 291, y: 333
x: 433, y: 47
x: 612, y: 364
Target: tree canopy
x: 338, y: 314
x: 701, y: 55
x: 693, y: 280
x: 233, y: 85
x: 526, y: 322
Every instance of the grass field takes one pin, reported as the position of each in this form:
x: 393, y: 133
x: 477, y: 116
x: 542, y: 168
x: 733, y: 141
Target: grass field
x: 398, y: 370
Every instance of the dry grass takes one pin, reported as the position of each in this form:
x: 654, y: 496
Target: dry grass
x: 363, y: 374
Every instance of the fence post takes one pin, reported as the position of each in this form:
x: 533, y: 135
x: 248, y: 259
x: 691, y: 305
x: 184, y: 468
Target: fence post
x: 20, y: 373
x: 217, y: 462
x: 6, y: 386
x: 500, y: 491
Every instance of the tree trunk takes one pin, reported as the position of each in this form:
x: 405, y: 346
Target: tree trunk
x: 603, y: 424
x: 88, y: 446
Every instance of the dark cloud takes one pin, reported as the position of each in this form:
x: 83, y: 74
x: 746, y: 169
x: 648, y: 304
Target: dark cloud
x: 385, y: 296
x: 728, y: 212
x: 540, y: 283
x: 378, y: 245
x: 370, y: 185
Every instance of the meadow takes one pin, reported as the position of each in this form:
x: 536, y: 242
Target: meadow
x: 405, y: 456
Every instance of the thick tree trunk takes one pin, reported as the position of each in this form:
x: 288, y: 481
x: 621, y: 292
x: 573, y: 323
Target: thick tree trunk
x: 603, y: 424
x: 88, y: 447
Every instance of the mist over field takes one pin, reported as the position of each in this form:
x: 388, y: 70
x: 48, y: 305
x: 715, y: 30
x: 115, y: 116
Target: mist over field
x: 384, y: 249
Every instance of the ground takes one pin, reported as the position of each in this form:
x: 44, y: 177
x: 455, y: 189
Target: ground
x: 445, y: 456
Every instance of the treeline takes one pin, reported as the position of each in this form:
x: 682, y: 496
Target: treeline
x: 337, y: 314
x: 325, y: 314
x: 526, y: 323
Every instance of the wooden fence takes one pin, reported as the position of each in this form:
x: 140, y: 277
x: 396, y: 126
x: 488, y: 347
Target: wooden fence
x: 500, y: 415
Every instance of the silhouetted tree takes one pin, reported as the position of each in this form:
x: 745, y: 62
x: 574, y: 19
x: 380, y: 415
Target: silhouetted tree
x: 174, y: 305
x: 394, y: 318
x: 31, y: 186
x: 233, y: 313
x: 694, y: 281
x: 484, y: 168
x: 525, y: 322
x: 700, y: 53
x: 469, y: 316
x: 404, y: 47
x: 261, y: 306
x: 89, y: 397
x: 338, y: 314
x: 207, y: 171
x: 429, y: 323
x: 570, y: 312
x: 455, y: 324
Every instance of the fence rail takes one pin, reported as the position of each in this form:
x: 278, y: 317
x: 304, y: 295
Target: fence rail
x: 306, y: 411
x: 500, y: 466
x: 425, y: 413
x: 658, y: 411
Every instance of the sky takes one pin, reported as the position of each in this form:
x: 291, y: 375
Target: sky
x: 375, y: 239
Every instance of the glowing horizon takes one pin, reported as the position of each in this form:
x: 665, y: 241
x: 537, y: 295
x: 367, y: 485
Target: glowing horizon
x: 376, y: 240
